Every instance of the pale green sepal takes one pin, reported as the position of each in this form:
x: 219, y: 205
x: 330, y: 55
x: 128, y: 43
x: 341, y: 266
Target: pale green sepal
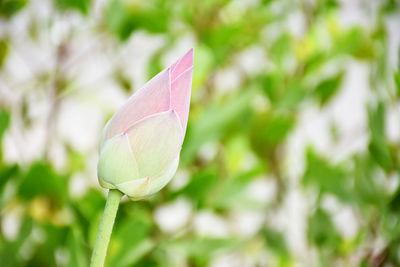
x: 136, y: 189
x: 144, y: 187
x: 103, y: 136
x: 156, y: 142
x: 158, y: 182
x: 117, y: 163
x: 105, y: 184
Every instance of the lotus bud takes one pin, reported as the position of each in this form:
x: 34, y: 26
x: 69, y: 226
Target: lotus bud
x: 140, y: 145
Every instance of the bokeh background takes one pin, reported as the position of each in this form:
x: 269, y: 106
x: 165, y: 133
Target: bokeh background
x: 292, y: 155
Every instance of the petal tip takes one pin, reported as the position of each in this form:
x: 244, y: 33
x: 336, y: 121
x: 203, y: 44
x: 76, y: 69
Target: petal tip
x: 189, y: 56
x: 189, y: 53
x: 182, y: 64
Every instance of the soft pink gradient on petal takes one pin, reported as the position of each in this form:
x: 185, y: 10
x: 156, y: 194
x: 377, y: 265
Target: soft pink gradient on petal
x: 156, y: 141
x: 181, y: 65
x: 153, y: 97
x: 180, y: 96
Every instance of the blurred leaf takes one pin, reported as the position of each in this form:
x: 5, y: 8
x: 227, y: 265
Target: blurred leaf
x: 321, y: 230
x: 325, y: 177
x: 123, y: 17
x: 237, y: 151
x: 283, y: 95
x: 276, y: 242
x: 76, y: 161
x: 202, y: 250
x: 6, y: 173
x: 268, y: 131
x: 4, y: 121
x: 293, y: 95
x: 368, y: 190
x: 5, y: 118
x: 9, y: 175
x: 135, y: 253
x: 280, y: 48
x: 396, y: 76
x: 314, y: 62
x: 3, y: 52
x: 130, y: 241
x: 326, y: 5
x: 327, y: 88
x: 390, y: 6
x: 42, y: 180
x: 88, y: 210
x: 353, y: 41
x: 78, y: 252
x: 91, y: 204
x: 391, y: 252
x: 381, y: 153
x: 10, y: 249
x: 9, y: 8
x: 231, y: 191
x: 394, y: 203
x: 82, y: 6
x: 215, y: 122
x: 54, y: 238
x: 200, y: 184
x: 376, y: 118
x: 276, y: 127
x: 93, y: 228
x: 148, y: 262
x: 378, y: 146
x: 224, y: 38
x: 272, y: 84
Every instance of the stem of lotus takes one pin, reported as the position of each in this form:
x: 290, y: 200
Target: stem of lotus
x: 106, y: 226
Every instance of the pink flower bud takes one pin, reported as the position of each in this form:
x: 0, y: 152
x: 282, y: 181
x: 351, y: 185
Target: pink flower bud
x: 140, y: 146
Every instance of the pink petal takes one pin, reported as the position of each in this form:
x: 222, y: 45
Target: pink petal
x: 156, y: 141
x: 181, y: 65
x: 180, y: 96
x: 153, y: 97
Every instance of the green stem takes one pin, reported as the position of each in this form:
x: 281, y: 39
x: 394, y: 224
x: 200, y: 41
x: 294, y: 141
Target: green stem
x: 106, y: 226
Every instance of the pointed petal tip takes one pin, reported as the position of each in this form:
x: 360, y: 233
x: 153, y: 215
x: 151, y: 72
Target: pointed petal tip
x: 189, y: 53
x: 188, y: 56
x: 153, y: 97
x: 182, y: 64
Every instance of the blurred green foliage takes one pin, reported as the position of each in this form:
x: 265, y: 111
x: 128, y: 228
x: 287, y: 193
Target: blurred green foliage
x: 80, y: 5
x: 59, y: 229
x: 9, y: 8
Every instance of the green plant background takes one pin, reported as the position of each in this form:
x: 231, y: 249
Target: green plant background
x: 291, y: 157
